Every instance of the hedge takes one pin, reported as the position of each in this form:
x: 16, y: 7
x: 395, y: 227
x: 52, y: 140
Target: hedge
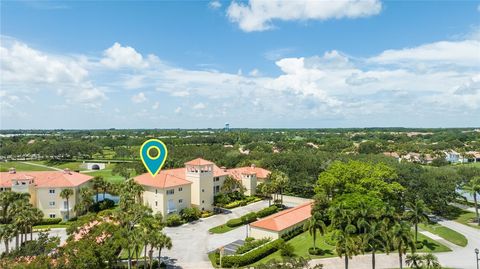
x: 50, y: 221
x: 292, y: 233
x: 232, y: 205
x: 174, y: 220
x: 234, y: 223
x: 267, y: 211
x: 252, y: 256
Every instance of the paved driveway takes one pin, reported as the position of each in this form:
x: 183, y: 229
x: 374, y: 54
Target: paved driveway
x: 60, y: 232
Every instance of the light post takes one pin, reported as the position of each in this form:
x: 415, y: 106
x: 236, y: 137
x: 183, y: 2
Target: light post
x: 476, y: 254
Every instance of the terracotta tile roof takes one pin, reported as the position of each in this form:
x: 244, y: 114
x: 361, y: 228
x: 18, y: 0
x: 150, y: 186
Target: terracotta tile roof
x: 165, y: 179
x: 198, y: 161
x: 218, y: 171
x: 249, y: 170
x: 46, y: 179
x: 285, y: 219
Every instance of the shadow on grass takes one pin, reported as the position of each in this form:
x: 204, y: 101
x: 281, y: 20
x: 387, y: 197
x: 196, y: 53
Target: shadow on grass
x: 451, y: 212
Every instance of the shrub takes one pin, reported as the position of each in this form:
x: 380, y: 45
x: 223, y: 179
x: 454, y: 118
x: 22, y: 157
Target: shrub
x: 232, y: 204
x: 102, y: 205
x: 51, y: 221
x: 315, y: 251
x: 234, y: 222
x: 419, y: 245
x: 292, y: 233
x: 286, y: 250
x: 267, y: 211
x: 206, y: 214
x: 252, y: 256
x: 248, y: 218
x: 190, y: 214
x: 174, y: 220
x: 221, y: 199
x: 251, y: 244
x: 249, y: 239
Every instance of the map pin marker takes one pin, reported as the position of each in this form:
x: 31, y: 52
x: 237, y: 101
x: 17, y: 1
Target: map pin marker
x: 153, y: 153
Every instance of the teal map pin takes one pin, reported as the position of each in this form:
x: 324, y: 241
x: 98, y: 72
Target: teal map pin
x: 153, y: 153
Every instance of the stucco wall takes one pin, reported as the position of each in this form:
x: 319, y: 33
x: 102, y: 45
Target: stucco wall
x: 259, y: 233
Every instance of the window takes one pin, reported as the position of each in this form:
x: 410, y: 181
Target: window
x: 180, y: 189
x: 180, y: 201
x: 170, y: 192
x: 203, y: 190
x: 52, y: 203
x: 51, y: 191
x: 217, y: 189
x: 216, y: 179
x: 65, y: 205
x: 156, y: 191
x: 203, y: 201
x: 52, y: 216
x: 156, y: 203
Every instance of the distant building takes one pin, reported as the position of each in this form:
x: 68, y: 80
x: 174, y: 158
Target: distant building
x: 454, y: 157
x: 44, y: 188
x: 227, y: 127
x: 196, y: 184
x: 472, y: 156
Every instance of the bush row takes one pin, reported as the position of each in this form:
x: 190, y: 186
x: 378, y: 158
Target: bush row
x: 251, y: 244
x: 50, y: 221
x: 292, y: 233
x: 188, y: 214
x: 244, y: 202
x: 252, y: 216
x: 252, y: 256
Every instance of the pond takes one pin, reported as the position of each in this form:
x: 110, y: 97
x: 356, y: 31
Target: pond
x: 114, y: 198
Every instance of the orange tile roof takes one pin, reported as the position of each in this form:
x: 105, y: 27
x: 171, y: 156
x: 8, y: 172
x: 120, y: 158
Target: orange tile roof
x: 165, y: 179
x: 285, y: 219
x: 198, y: 161
x: 248, y: 170
x: 218, y: 172
x: 46, y: 179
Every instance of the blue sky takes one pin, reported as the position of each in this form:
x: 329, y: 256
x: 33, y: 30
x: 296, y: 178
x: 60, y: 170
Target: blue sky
x: 196, y: 64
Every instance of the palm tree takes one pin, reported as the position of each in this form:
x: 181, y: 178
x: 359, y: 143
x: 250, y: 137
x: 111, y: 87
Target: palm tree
x: 85, y: 202
x: 97, y: 184
x: 65, y: 194
x: 313, y: 225
x: 401, y: 239
x: 374, y: 239
x: 280, y: 180
x: 363, y: 217
x: 164, y: 242
x: 417, y: 214
x: 6, y: 233
x: 346, y: 245
x: 473, y: 188
x: 414, y: 260
x: 430, y: 261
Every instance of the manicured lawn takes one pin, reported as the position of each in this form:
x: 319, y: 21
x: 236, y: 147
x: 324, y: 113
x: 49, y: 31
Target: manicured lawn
x: 304, y: 241
x: 21, y: 167
x: 446, y: 233
x: 74, y: 166
x: 124, y: 253
x: 107, y: 175
x: 221, y: 229
x: 467, y: 218
x: 301, y: 244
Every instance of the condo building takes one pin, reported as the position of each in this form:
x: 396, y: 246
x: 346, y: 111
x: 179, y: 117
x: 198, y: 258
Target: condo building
x: 44, y: 188
x: 196, y: 184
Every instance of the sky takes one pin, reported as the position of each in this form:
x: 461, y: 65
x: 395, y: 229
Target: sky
x: 253, y: 64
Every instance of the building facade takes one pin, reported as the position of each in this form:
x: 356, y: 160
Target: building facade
x: 45, y: 187
x: 194, y: 185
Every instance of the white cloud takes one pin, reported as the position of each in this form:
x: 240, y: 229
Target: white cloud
x: 215, y: 4
x: 178, y: 110
x: 118, y: 56
x: 139, y: 98
x: 254, y: 73
x: 258, y: 15
x: 156, y: 105
x: 180, y: 93
x: 464, y: 52
x: 199, y: 106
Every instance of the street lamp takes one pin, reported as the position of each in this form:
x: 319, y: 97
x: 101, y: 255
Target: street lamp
x: 476, y: 253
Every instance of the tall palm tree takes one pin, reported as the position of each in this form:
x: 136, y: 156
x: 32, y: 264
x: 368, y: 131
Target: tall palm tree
x: 6, y: 233
x: 414, y: 260
x: 85, y: 202
x: 65, y: 194
x: 164, y: 242
x: 280, y: 180
x: 417, y: 214
x: 346, y: 245
x: 401, y: 239
x: 374, y: 239
x: 313, y: 225
x: 363, y: 217
x: 97, y: 184
x: 473, y: 188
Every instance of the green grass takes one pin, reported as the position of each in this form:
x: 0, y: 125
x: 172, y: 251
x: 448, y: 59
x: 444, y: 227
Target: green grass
x: 220, y: 229
x: 124, y: 253
x: 107, y: 175
x: 21, y: 167
x: 301, y: 244
x: 304, y: 241
x: 467, y: 218
x: 446, y: 233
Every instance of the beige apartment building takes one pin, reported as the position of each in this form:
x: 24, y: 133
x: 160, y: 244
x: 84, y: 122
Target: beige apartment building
x: 44, y: 188
x: 195, y: 185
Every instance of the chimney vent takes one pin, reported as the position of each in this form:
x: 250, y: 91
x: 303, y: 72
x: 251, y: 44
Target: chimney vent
x: 67, y: 171
x: 12, y: 170
x: 253, y: 165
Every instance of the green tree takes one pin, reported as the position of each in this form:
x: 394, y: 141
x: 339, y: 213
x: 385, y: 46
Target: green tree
x: 280, y: 180
x: 65, y: 194
x: 414, y: 260
x: 473, y: 188
x: 416, y: 214
x: 401, y: 239
x: 373, y: 239
x: 85, y: 201
x: 314, y: 224
x: 430, y: 261
x: 231, y: 184
x: 98, y: 184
